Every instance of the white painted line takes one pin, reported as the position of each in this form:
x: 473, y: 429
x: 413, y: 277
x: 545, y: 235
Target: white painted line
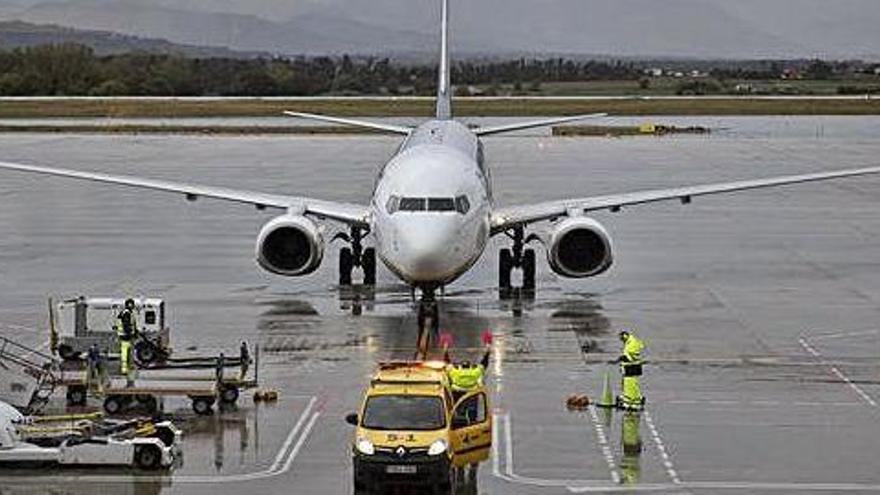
x: 767, y: 403
x: 795, y: 487
x: 293, y: 433
x: 503, y: 421
x: 603, y: 486
x: 299, y: 444
x: 839, y: 374
x: 496, y: 456
x: 838, y: 335
x: 746, y: 486
x: 664, y: 453
x: 605, y: 445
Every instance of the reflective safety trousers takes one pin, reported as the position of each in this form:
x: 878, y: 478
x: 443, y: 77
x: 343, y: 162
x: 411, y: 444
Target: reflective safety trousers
x: 465, y: 378
x: 124, y: 357
x: 632, y: 390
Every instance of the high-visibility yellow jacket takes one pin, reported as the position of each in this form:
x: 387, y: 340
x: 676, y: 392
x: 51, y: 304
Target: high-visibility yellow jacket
x: 126, y: 332
x: 632, y: 350
x: 465, y: 378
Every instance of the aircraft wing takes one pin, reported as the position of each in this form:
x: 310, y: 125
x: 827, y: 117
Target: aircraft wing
x: 505, y: 218
x: 519, y: 126
x: 343, y: 212
x: 376, y: 126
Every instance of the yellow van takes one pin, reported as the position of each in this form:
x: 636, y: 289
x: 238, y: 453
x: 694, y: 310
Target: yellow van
x: 412, y: 429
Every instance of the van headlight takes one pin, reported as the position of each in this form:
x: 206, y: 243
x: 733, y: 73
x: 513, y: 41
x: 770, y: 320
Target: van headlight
x: 438, y: 447
x: 365, y: 446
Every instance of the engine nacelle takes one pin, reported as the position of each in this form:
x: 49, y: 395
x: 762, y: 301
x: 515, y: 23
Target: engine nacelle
x: 579, y: 247
x: 290, y: 245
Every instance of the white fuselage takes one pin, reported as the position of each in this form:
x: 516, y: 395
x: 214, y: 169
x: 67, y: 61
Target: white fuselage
x: 425, y: 232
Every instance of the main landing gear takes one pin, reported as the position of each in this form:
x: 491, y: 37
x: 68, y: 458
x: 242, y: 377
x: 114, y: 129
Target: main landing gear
x: 356, y: 256
x: 516, y: 257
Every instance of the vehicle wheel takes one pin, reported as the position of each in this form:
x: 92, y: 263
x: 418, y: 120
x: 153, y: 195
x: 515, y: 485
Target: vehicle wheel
x: 229, y: 394
x: 505, y: 265
x: 145, y: 353
x: 66, y: 352
x: 76, y: 396
x: 114, y: 404
x: 360, y: 486
x: 529, y: 263
x: 148, y: 403
x: 147, y: 457
x: 202, y: 405
x: 346, y: 264
x: 445, y: 487
x: 369, y: 265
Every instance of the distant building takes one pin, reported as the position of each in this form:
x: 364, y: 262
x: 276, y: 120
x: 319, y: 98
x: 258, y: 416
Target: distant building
x: 789, y: 74
x: 877, y: 71
x: 744, y: 88
x: 654, y: 72
x: 475, y: 91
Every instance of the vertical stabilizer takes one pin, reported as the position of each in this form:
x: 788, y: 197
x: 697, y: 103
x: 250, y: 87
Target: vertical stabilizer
x: 444, y: 88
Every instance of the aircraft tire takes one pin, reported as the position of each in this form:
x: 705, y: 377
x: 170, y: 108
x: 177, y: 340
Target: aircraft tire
x: 346, y: 264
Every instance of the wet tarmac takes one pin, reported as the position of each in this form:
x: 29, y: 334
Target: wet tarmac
x: 760, y: 310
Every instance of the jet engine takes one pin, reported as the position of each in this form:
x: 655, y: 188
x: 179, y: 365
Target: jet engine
x: 290, y: 245
x: 579, y: 247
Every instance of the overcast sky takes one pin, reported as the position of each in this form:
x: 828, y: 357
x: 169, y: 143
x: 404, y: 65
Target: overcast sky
x: 745, y: 28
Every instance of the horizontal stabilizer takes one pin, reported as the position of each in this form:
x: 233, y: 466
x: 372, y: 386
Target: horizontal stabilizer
x: 519, y: 126
x: 376, y: 126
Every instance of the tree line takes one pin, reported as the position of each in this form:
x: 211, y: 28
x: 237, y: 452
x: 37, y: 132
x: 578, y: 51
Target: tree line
x: 75, y: 70
x: 69, y: 69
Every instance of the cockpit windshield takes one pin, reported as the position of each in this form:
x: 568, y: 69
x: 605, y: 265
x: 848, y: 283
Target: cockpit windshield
x: 458, y: 204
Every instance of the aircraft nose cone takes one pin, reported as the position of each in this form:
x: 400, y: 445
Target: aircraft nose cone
x: 427, y: 250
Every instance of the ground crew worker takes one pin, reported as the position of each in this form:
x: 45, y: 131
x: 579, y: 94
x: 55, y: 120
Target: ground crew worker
x: 126, y: 332
x: 466, y: 376
x: 631, y: 369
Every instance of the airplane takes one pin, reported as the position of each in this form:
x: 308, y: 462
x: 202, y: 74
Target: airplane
x: 432, y: 211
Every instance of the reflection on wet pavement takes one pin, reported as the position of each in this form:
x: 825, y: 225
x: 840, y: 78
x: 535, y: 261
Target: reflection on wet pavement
x: 722, y: 291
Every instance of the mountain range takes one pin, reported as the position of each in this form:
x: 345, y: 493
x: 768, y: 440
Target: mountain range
x: 676, y: 28
x: 14, y: 34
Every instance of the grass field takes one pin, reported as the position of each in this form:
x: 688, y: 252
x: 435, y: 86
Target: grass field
x: 209, y: 130
x: 127, y: 108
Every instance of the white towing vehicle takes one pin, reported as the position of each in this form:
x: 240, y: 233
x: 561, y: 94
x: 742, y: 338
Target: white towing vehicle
x: 77, y: 324
x: 145, y: 445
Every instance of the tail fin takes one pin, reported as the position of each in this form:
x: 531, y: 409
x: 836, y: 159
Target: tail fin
x: 444, y: 89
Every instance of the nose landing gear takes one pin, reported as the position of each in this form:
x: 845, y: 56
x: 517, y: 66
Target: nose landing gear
x: 356, y: 256
x: 429, y: 323
x: 516, y: 257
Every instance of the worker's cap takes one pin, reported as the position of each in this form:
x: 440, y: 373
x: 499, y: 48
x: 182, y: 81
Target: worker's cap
x: 624, y: 334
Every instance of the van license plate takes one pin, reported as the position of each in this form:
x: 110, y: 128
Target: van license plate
x: 401, y: 469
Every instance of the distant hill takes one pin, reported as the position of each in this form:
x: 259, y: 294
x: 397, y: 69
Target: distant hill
x: 633, y: 28
x: 309, y: 33
x: 14, y: 34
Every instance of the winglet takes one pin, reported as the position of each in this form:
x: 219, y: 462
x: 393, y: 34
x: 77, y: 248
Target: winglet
x: 444, y: 89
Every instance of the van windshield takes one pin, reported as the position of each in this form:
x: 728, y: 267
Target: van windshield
x: 404, y: 412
